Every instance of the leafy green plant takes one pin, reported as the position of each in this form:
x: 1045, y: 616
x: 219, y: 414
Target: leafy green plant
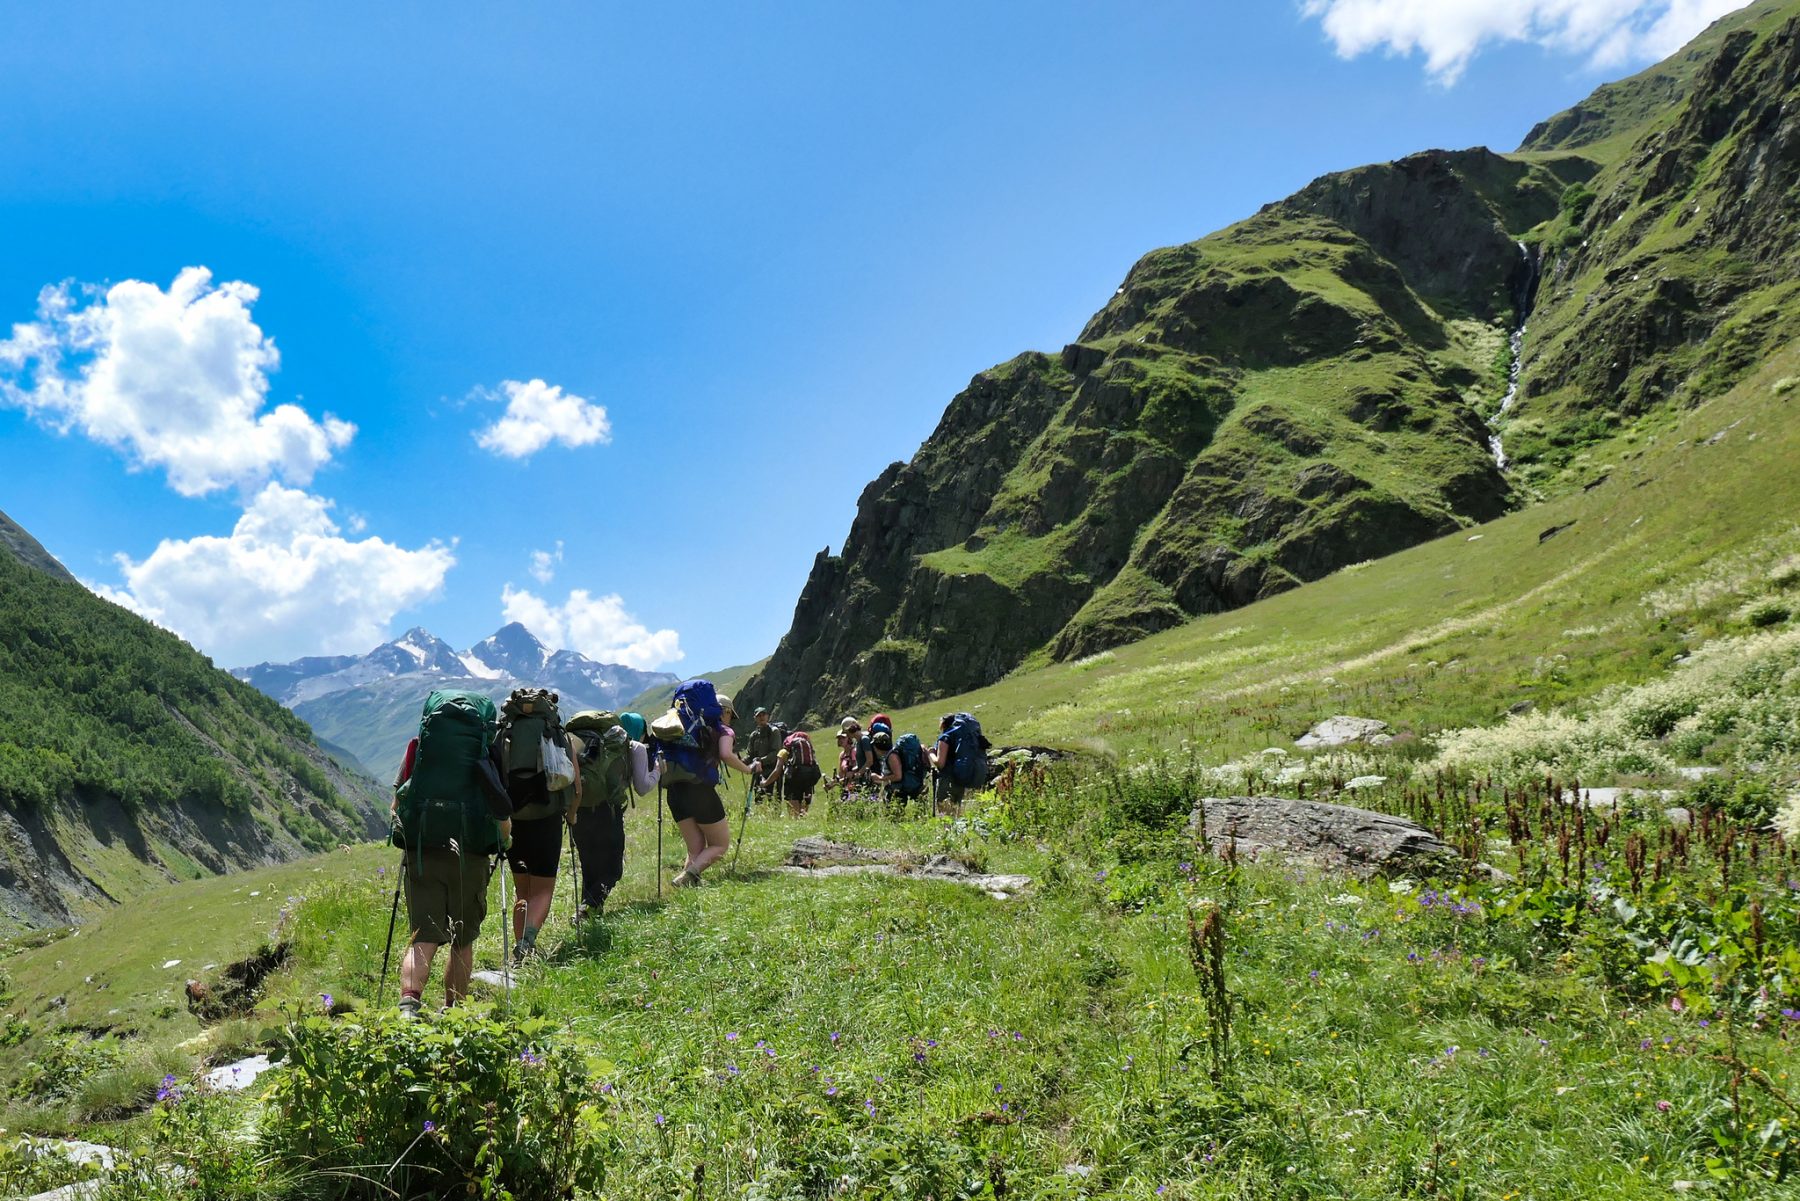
x: 494, y: 1106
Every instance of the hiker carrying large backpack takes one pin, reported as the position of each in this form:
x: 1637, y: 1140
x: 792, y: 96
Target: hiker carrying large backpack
x: 539, y: 757
x: 960, y: 757
x: 797, y: 772
x: 450, y: 813
x: 599, y: 836
x: 691, y: 741
x: 910, y: 753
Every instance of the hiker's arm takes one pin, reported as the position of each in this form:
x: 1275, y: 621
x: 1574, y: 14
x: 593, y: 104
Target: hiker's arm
x: 728, y: 754
x: 643, y: 776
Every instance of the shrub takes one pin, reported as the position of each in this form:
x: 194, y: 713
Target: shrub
x: 469, y: 1102
x: 1769, y: 613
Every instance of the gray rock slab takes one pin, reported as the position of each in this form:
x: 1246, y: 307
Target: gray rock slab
x: 1341, y: 731
x: 1697, y: 774
x: 495, y: 979
x: 1335, y: 837
x: 821, y: 857
x: 236, y: 1077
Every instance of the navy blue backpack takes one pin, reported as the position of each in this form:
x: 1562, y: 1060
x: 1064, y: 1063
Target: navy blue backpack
x: 968, y: 751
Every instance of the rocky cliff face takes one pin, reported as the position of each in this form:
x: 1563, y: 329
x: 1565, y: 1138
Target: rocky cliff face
x: 1313, y: 387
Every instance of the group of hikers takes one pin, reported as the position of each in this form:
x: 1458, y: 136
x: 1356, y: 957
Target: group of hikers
x: 478, y: 784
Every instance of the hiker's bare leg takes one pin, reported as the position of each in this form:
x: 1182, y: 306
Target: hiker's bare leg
x: 415, y: 966
x: 691, y: 836
x: 716, y: 840
x: 521, y: 902
x: 457, y: 972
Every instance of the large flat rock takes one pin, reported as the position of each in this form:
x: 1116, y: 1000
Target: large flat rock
x: 817, y: 857
x: 1342, y: 731
x: 1335, y: 837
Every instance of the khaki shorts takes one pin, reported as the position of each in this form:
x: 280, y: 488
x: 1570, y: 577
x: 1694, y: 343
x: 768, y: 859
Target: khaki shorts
x: 446, y: 897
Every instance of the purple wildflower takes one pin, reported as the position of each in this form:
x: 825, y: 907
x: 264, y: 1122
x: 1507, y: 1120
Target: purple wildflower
x: 430, y: 1125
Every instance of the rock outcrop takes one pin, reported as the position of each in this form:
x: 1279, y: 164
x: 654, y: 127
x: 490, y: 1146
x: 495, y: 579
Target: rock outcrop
x: 1340, y: 838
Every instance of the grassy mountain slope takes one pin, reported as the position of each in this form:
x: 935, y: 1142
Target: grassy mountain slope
x: 1312, y: 388
x: 1674, y: 271
x: 130, y: 760
x: 1611, y: 584
x: 727, y: 680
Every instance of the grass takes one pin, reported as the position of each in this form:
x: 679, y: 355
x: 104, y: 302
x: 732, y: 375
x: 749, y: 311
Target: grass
x: 1458, y: 631
x: 861, y: 1036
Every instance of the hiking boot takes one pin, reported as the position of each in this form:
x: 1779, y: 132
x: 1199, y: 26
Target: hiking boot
x: 685, y: 879
x: 410, y: 1007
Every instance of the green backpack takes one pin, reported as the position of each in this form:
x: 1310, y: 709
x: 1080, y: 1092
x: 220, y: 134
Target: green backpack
x: 528, y: 719
x: 442, y: 804
x: 605, y: 769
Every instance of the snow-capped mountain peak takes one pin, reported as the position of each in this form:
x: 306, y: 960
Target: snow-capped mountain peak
x: 511, y: 650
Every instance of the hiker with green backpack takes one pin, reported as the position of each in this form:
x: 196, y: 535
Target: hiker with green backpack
x: 545, y: 789
x: 614, y: 765
x: 450, y: 813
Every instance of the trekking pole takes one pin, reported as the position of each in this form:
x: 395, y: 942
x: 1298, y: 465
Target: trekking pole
x: 505, y: 932
x: 743, y: 824
x: 574, y: 875
x: 659, y: 817
x: 393, y: 916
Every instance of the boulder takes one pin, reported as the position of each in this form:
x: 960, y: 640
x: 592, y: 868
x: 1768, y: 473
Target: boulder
x: 1335, y: 837
x: 816, y: 856
x: 1342, y: 731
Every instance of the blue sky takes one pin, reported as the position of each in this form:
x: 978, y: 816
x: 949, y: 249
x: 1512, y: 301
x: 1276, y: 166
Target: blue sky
x: 769, y: 242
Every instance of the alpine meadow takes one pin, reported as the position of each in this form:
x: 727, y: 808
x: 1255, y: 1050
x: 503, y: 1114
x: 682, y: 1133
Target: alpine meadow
x: 1376, y: 633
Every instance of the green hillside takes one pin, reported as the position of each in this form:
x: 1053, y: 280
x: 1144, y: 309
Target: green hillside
x: 728, y: 680
x: 129, y: 760
x: 1317, y: 385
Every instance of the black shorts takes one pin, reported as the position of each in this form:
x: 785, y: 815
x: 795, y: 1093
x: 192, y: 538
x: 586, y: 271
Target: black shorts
x: 696, y: 800
x: 798, y: 781
x: 537, y: 844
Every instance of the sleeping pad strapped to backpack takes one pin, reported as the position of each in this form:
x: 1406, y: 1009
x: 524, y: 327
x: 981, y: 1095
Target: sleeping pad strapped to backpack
x: 529, y: 720
x: 442, y: 804
x: 688, y: 733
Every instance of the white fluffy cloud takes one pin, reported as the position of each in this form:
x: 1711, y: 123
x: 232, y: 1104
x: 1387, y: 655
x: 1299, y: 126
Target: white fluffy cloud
x: 538, y: 414
x: 282, y: 584
x: 545, y: 562
x: 597, y: 626
x: 1450, y: 32
x: 175, y: 379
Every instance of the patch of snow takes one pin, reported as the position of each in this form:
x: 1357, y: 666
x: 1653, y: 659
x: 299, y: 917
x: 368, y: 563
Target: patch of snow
x: 495, y: 979
x: 475, y: 667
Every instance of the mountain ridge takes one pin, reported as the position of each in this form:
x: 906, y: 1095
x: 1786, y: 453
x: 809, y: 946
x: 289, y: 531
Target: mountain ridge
x: 130, y: 760
x: 1394, y: 352
x: 369, y: 704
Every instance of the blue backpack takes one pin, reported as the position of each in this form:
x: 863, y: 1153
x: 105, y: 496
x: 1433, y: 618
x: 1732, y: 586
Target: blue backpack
x: 702, y: 717
x: 968, y: 754
x: 912, y: 764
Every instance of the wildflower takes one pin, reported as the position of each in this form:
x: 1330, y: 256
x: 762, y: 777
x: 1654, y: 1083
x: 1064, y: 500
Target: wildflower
x: 831, y: 1090
x: 1676, y: 1005
x: 1663, y: 1107
x: 1704, y: 1023
x: 1313, y: 975
x: 529, y: 1058
x: 1792, y: 1015
x: 1643, y: 1044
x: 835, y: 1036
x: 731, y: 1069
x: 659, y: 1119
x: 430, y: 1126
x: 606, y: 1087
x: 325, y: 1000
x: 731, y: 1037
x: 1099, y: 876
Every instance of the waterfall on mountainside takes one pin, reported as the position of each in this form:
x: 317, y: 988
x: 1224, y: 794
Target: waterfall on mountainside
x: 1527, y: 290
